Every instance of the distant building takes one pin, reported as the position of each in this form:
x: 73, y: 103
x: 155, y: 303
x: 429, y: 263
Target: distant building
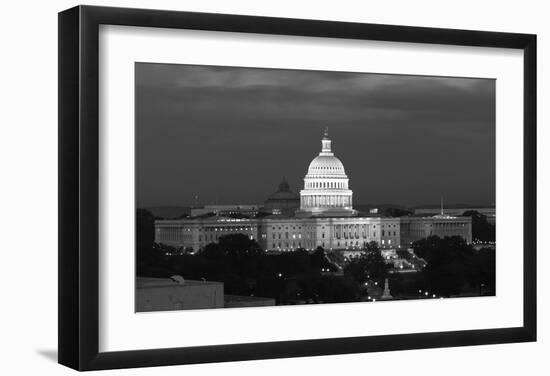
x: 489, y: 212
x: 283, y: 201
x: 325, y: 218
x: 227, y: 210
x: 166, y: 294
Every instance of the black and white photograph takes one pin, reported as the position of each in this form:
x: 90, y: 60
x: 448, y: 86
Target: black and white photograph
x: 264, y: 187
x: 244, y: 188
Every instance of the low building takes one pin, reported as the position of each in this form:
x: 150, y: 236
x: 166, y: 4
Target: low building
x: 239, y: 301
x: 249, y: 210
x: 168, y: 294
x: 489, y: 212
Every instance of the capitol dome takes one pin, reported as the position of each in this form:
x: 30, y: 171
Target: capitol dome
x: 326, y: 191
x: 326, y: 165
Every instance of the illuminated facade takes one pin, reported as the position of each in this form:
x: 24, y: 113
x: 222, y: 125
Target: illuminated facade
x: 325, y: 218
x: 275, y: 233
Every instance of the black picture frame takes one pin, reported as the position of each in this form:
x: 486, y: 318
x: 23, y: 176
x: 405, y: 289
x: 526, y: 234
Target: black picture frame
x: 78, y: 187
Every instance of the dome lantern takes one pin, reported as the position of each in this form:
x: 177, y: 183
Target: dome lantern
x: 325, y: 144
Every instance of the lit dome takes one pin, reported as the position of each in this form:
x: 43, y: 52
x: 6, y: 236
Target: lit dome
x: 326, y: 165
x: 326, y: 186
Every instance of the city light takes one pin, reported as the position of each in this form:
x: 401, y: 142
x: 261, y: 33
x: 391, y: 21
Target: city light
x: 345, y: 233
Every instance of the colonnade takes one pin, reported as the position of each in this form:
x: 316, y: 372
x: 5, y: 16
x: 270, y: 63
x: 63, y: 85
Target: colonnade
x: 326, y: 201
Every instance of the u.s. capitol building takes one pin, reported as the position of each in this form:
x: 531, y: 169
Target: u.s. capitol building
x: 322, y: 216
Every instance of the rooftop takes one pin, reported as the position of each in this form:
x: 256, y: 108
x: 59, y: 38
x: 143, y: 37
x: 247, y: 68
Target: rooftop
x: 147, y: 282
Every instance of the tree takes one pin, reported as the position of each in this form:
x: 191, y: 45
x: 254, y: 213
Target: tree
x: 232, y: 245
x: 318, y: 257
x: 481, y: 229
x: 239, y: 245
x: 145, y: 232
x: 451, y: 264
x: 147, y: 254
x: 212, y: 251
x: 486, y: 270
x: 370, y: 265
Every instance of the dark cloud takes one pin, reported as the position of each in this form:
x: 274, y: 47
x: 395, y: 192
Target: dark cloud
x: 230, y: 134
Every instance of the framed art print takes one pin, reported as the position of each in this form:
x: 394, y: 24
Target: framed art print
x: 237, y: 187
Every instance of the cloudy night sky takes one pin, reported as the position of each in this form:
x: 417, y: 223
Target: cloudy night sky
x: 229, y: 134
